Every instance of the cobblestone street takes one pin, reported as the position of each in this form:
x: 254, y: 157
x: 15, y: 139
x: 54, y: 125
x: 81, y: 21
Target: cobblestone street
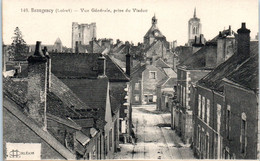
x: 155, y: 139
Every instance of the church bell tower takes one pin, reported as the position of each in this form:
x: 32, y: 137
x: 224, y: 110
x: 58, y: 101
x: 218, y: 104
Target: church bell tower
x: 194, y: 28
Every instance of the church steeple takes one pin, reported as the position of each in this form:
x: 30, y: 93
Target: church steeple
x: 194, y: 27
x: 154, y: 20
x: 194, y: 15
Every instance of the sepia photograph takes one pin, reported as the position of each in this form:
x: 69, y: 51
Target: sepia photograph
x: 130, y: 80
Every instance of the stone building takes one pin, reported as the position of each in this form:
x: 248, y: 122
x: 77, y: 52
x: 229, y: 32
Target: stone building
x: 144, y: 80
x: 194, y: 28
x: 193, y: 69
x: 39, y: 111
x: 155, y: 45
x: 222, y: 102
x: 82, y: 34
x: 153, y: 34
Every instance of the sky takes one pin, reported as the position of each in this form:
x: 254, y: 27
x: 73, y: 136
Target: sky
x: 172, y: 15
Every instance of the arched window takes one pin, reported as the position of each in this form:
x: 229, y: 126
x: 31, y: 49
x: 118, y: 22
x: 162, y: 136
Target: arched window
x: 194, y: 30
x: 197, y: 30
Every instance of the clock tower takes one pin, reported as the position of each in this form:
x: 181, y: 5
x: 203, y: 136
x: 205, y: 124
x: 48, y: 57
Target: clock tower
x: 153, y: 34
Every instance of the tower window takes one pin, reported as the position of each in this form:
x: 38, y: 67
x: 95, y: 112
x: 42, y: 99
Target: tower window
x: 194, y: 30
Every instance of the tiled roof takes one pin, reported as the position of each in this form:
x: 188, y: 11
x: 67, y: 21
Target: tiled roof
x: 71, y: 65
x: 170, y: 73
x: 171, y: 82
x: 162, y: 81
x: 247, y: 74
x: 160, y: 63
x: 13, y: 108
x: 92, y: 92
x: 224, y: 33
x: 139, y: 69
x: 56, y: 107
x: 64, y: 92
x: 65, y: 121
x: 198, y: 59
x: 214, y: 79
x: 16, y: 91
x: 117, y: 98
x: 183, y: 53
x: 85, y: 122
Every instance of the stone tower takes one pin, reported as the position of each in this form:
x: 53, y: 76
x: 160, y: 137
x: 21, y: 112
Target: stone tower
x: 57, y: 47
x: 83, y: 34
x: 194, y: 28
x: 153, y: 34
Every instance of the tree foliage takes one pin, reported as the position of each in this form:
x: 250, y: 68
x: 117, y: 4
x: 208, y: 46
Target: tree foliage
x: 18, y: 48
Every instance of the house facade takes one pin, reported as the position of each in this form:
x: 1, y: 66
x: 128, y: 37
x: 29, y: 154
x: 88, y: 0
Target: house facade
x: 193, y: 69
x: 220, y: 117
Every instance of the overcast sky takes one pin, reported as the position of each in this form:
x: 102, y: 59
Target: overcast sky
x: 172, y: 15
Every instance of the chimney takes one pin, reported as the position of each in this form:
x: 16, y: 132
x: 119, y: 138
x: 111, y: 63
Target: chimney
x: 37, y: 86
x: 243, y: 42
x: 101, y: 66
x: 229, y: 30
x: 45, y: 52
x: 220, y: 34
x: 128, y: 61
x: 77, y: 47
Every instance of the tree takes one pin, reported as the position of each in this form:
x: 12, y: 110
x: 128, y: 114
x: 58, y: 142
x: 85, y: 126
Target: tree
x: 18, y: 48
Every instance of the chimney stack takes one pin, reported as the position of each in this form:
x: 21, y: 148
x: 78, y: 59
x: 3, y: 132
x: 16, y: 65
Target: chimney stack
x: 101, y: 66
x: 37, y: 86
x: 45, y: 52
x: 128, y: 61
x: 229, y: 30
x: 77, y: 47
x: 243, y: 42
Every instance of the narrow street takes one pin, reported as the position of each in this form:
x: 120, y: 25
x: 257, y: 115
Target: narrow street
x: 155, y: 139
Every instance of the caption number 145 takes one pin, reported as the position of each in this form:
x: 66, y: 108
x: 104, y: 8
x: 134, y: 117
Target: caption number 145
x: 24, y: 10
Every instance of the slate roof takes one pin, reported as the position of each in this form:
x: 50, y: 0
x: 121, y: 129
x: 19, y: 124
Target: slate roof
x: 84, y: 65
x: 198, y: 59
x: 213, y: 80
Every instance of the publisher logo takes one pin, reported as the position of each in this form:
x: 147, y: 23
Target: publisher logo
x: 23, y: 151
x: 14, y: 154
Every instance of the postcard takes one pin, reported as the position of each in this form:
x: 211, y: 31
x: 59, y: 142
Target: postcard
x: 128, y: 80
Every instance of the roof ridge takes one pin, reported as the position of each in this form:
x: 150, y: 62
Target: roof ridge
x: 121, y: 70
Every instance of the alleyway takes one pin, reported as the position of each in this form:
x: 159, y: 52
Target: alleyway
x: 155, y: 139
